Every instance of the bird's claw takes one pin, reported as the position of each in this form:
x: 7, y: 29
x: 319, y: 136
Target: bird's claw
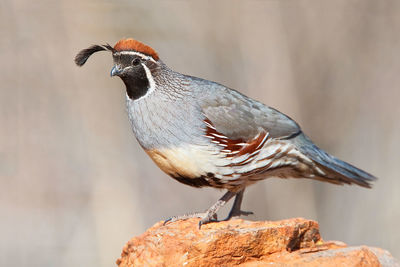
x: 205, y: 218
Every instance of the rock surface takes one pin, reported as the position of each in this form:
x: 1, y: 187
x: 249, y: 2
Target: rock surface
x: 294, y: 242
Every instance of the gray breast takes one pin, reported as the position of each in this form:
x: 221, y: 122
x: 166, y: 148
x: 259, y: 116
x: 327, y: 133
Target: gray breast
x: 161, y: 120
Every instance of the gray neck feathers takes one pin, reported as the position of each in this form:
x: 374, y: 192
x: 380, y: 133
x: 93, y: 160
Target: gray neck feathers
x: 169, y: 115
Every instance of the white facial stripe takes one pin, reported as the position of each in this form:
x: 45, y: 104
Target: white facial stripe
x: 136, y: 54
x: 152, y: 84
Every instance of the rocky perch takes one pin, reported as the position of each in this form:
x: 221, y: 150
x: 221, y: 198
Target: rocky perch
x: 294, y: 242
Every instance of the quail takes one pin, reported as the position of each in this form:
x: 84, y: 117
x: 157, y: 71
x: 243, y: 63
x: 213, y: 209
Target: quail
x: 202, y: 133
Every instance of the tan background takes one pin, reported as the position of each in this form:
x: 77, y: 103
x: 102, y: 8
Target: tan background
x: 75, y: 185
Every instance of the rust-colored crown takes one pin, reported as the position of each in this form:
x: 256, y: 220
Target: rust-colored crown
x: 133, y: 45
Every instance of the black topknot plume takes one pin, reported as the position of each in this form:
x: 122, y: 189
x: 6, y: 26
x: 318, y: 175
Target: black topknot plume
x: 84, y: 54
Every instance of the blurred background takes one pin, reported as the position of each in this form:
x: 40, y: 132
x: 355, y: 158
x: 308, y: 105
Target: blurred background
x: 75, y: 185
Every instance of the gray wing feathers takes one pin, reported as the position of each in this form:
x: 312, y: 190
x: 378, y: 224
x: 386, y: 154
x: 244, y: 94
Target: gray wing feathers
x: 237, y: 116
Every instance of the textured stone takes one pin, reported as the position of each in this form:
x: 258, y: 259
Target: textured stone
x: 293, y: 242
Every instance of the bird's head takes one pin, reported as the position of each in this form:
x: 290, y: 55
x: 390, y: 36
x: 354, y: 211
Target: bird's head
x: 134, y: 62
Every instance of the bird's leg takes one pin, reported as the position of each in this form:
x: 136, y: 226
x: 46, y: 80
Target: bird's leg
x: 214, y: 208
x: 236, y: 211
x: 210, y: 215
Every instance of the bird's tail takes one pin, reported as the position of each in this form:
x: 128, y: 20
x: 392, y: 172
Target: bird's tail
x: 336, y: 170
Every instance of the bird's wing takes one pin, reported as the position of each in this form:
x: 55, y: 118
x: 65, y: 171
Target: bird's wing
x: 251, y: 137
x: 258, y: 138
x: 239, y: 117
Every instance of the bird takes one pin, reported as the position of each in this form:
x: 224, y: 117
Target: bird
x: 204, y: 134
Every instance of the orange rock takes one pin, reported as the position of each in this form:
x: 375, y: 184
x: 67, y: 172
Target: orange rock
x: 347, y: 256
x: 294, y: 242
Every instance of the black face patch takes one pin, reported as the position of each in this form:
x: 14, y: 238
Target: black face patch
x: 134, y: 76
x: 136, y: 82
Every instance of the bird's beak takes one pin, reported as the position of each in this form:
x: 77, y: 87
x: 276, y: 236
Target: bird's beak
x: 116, y: 70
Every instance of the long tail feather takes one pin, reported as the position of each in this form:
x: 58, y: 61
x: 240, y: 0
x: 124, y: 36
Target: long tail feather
x: 333, y: 167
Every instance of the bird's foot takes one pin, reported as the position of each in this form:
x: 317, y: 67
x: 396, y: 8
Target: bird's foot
x: 205, y: 217
x: 235, y: 214
x: 210, y: 215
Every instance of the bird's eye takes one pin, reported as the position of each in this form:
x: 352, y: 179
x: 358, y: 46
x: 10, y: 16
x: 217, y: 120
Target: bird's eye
x: 136, y: 61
